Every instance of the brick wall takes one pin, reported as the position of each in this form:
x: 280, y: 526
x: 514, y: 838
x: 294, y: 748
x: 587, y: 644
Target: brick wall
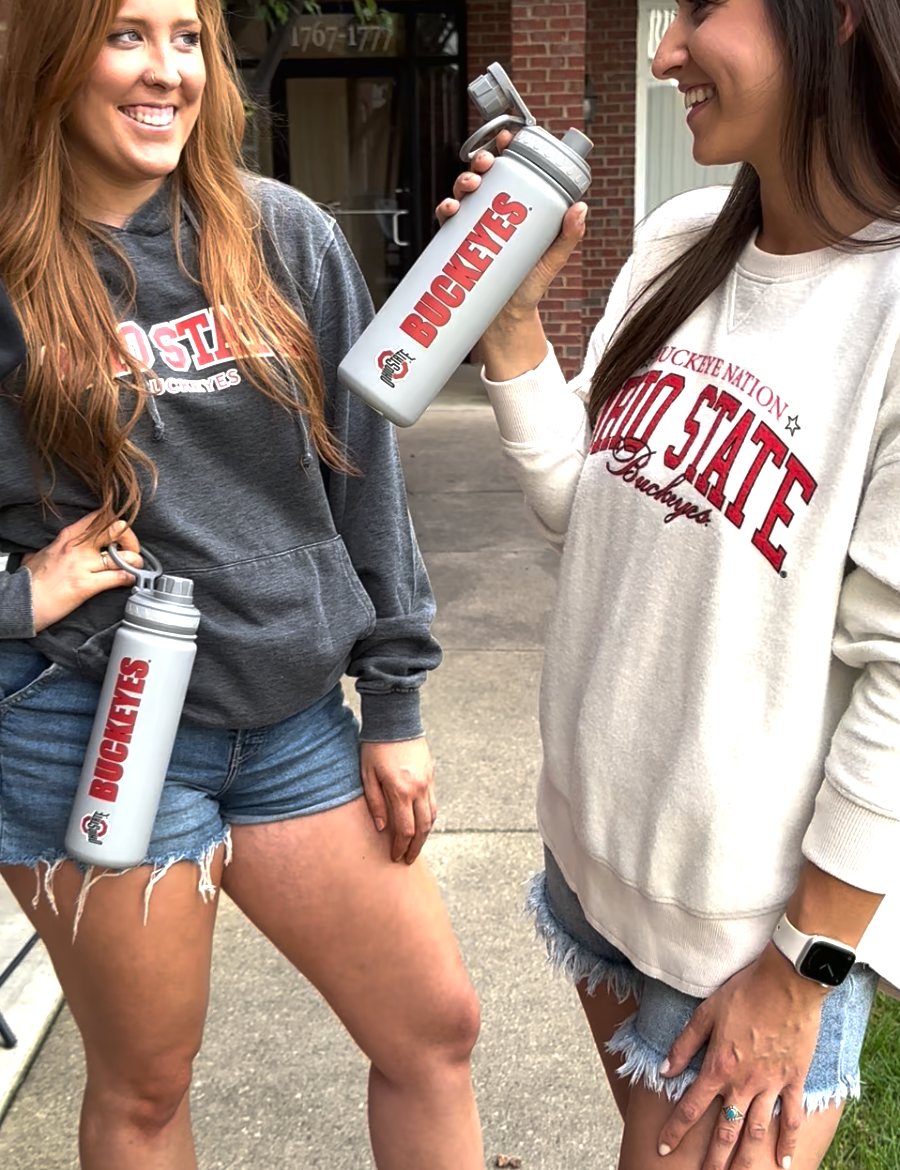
x: 611, y: 65
x: 489, y: 39
x: 548, y: 47
x: 541, y: 43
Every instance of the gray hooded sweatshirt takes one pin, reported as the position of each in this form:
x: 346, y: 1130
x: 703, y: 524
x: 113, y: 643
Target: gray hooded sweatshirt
x: 301, y: 574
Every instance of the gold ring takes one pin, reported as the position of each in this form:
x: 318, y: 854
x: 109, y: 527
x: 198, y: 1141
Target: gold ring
x: 104, y: 558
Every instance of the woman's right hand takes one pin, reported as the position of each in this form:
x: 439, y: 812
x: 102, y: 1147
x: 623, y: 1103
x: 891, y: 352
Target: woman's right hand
x: 524, y: 302
x: 73, y: 568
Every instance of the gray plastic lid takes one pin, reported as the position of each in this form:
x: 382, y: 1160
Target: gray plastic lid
x: 561, y: 159
x: 177, y: 589
x: 494, y: 94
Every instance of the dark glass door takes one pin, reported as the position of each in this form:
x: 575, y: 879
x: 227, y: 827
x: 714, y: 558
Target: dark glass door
x: 368, y: 122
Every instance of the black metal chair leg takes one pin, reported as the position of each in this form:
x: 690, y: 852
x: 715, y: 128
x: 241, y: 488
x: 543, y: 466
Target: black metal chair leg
x: 7, y: 1036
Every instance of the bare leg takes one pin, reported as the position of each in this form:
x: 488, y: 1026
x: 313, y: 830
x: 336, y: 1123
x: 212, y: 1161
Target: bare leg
x: 373, y: 937
x: 604, y: 1014
x: 139, y: 996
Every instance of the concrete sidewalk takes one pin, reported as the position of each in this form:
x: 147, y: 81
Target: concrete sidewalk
x: 278, y: 1083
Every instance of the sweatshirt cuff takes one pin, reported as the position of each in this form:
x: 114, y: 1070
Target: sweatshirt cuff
x: 539, y: 400
x: 852, y: 843
x: 16, y: 607
x: 392, y: 717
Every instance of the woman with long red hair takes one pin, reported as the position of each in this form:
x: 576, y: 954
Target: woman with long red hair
x: 184, y: 322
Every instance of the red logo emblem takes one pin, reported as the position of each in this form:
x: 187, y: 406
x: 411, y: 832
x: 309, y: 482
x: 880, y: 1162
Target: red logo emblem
x: 95, y: 827
x: 394, y: 365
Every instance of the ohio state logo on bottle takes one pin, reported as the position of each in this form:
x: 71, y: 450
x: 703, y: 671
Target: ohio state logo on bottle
x: 394, y: 365
x: 95, y: 826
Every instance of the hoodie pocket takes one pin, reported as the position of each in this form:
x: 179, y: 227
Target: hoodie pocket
x: 276, y: 633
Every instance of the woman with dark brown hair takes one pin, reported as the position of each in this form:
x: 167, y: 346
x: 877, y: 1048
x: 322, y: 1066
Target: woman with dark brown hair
x: 721, y: 695
x: 184, y: 322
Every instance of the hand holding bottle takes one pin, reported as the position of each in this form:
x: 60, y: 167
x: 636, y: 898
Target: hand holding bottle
x: 492, y: 263
x: 528, y: 296
x: 74, y: 568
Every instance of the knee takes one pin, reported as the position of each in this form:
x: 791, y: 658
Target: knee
x: 148, y: 1098
x: 452, y: 1029
x: 463, y: 1024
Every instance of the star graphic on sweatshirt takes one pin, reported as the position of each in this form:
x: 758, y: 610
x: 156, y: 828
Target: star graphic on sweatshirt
x: 792, y: 424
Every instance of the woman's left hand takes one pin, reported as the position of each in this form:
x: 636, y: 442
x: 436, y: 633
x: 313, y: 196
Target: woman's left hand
x: 398, y: 779
x: 761, y: 1029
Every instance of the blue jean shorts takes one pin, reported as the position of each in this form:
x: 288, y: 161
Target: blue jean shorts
x: 644, y: 1039
x: 305, y: 764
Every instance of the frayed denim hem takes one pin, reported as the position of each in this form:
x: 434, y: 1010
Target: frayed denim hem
x: 158, y: 869
x: 642, y: 1063
x: 571, y: 957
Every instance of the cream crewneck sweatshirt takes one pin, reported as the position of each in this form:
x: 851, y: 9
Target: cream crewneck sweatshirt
x: 721, y: 689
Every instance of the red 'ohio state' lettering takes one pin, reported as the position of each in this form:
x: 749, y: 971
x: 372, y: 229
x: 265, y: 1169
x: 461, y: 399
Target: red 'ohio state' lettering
x: 795, y: 472
x: 463, y: 270
x: 701, y: 462
x: 123, y: 709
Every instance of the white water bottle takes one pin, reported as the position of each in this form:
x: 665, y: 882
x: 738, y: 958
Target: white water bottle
x: 475, y: 262
x: 136, y: 722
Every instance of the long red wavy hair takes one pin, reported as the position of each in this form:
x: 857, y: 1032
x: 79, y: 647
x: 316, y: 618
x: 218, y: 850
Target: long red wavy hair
x: 72, y: 401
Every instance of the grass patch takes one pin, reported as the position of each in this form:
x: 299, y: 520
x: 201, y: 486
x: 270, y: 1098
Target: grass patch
x: 868, y: 1137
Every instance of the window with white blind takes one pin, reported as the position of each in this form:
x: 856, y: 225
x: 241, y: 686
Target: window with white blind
x: 664, y: 164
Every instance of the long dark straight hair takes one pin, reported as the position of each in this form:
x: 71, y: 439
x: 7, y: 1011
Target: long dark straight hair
x: 843, y: 111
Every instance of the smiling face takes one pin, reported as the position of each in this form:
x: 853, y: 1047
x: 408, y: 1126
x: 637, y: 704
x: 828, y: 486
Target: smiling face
x: 131, y: 117
x: 730, y: 70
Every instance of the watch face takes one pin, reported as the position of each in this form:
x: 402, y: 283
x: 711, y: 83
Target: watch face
x: 827, y: 964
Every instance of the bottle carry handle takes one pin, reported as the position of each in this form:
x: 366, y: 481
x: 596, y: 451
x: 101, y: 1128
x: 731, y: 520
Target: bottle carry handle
x: 144, y: 578
x: 487, y: 133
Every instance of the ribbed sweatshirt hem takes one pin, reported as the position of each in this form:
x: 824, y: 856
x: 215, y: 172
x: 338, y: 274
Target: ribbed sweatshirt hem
x: 693, y: 954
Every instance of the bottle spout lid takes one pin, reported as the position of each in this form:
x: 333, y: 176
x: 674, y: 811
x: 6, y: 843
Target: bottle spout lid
x: 578, y: 142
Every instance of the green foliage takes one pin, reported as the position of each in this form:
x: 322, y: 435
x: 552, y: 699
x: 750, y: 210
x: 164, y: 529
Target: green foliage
x: 868, y: 1137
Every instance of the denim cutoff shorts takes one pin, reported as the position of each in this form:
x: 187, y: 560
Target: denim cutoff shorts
x: 644, y: 1039
x: 305, y: 764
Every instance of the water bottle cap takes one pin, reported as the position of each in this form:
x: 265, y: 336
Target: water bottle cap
x: 177, y: 589
x: 563, y: 160
x: 494, y: 94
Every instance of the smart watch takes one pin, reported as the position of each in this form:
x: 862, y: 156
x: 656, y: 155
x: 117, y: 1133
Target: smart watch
x: 823, y: 960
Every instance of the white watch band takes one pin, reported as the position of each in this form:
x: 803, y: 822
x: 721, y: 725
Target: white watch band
x: 789, y: 940
x: 805, y: 952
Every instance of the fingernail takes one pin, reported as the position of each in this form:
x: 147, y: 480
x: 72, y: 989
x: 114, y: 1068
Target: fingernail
x: 664, y: 1150
x: 786, y: 1163
x: 379, y: 824
x: 664, y: 1067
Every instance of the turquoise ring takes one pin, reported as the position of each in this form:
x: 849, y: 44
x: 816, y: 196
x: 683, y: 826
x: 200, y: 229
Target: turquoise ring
x: 732, y: 1113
